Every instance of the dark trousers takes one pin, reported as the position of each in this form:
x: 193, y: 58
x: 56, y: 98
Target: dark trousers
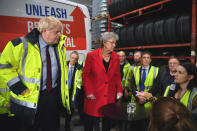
x: 80, y: 102
x: 24, y: 115
x: 140, y: 125
x: 89, y: 123
x: 67, y: 122
x: 9, y: 123
x: 48, y: 111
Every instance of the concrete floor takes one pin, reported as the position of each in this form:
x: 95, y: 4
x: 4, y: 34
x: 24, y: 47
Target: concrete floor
x: 74, y: 119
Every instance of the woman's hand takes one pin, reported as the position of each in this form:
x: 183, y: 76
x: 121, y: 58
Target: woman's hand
x: 119, y: 95
x: 91, y: 97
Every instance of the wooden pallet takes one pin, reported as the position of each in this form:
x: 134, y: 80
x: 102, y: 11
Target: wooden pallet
x: 96, y: 41
x: 99, y: 17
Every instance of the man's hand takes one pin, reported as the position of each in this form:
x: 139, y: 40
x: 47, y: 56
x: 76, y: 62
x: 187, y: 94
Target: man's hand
x: 26, y: 92
x: 8, y: 106
x: 91, y: 97
x: 148, y: 96
x: 140, y: 97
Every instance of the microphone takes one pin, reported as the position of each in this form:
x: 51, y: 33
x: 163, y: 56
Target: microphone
x: 172, y: 89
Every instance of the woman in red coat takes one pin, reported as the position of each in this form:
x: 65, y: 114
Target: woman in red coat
x: 102, y: 80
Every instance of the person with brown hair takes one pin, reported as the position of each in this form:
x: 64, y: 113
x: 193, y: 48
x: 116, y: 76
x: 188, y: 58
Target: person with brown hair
x: 185, y: 88
x: 165, y: 76
x: 168, y: 114
x: 137, y: 56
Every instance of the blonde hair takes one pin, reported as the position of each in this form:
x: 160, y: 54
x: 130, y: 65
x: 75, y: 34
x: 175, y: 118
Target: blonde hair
x: 48, y: 23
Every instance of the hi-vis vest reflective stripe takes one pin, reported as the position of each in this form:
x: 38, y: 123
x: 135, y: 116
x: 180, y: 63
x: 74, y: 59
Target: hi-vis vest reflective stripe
x: 77, y: 82
x: 151, y: 76
x: 29, y: 71
x: 4, y: 90
x: 187, y: 98
x: 128, y: 77
x: 125, y: 72
x: 4, y: 99
x: 30, y: 102
x: 81, y: 63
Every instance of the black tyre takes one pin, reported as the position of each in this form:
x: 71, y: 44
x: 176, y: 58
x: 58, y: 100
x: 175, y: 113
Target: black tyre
x: 148, y: 33
x: 131, y: 35
x: 184, y: 28
x: 117, y: 31
x: 130, y: 5
x: 140, y: 34
x: 139, y: 3
x: 158, y: 32
x: 123, y: 6
x: 170, y: 29
x: 116, y: 8
x: 111, y: 8
x: 123, y: 36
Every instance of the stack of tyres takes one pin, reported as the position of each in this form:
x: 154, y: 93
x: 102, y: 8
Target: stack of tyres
x: 95, y: 30
x: 98, y: 27
x: 100, y: 23
x: 99, y: 7
x: 96, y: 8
x: 103, y: 7
x: 170, y: 30
x: 118, y: 7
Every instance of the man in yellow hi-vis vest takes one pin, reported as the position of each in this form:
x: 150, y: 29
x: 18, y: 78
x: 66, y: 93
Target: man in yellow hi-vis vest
x: 124, y: 66
x: 35, y: 70
x: 124, y: 69
x: 75, y: 84
x: 143, y: 78
x: 5, y: 116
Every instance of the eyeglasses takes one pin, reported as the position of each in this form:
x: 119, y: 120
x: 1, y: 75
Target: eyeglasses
x: 173, y: 63
x: 112, y: 42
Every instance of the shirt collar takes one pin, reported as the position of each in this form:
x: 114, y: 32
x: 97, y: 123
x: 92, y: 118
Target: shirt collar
x: 70, y: 66
x: 42, y: 43
x: 145, y: 67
